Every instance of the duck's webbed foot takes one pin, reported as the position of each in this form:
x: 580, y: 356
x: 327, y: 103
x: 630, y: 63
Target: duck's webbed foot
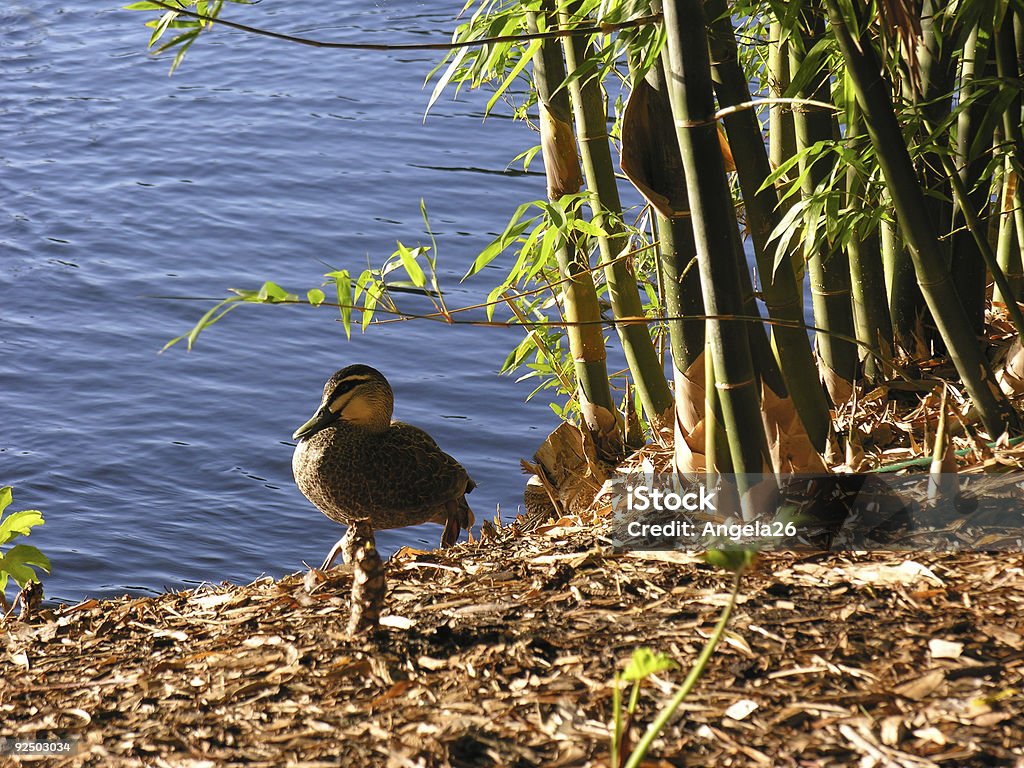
x: 459, y: 517
x: 346, y: 545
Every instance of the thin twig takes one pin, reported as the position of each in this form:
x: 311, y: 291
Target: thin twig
x: 593, y: 29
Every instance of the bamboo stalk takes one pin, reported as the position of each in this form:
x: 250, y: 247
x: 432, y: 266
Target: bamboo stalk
x: 581, y: 306
x: 591, y: 122
x: 781, y: 133
x: 932, y: 95
x: 779, y: 287
x: 649, y: 149
x: 682, y: 290
x: 714, y: 226
x: 967, y: 266
x: 901, y: 288
x: 873, y: 94
x: 870, y: 311
x: 1008, y: 66
x: 827, y: 266
x: 1008, y: 254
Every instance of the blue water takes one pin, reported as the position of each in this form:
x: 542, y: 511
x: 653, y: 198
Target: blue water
x: 258, y: 160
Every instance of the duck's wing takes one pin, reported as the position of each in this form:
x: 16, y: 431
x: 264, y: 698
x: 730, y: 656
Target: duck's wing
x: 415, y: 475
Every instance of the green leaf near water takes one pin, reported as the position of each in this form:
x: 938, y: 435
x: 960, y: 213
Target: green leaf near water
x: 343, y: 290
x: 272, y: 293
x: 19, y: 563
x: 19, y: 524
x: 414, y: 270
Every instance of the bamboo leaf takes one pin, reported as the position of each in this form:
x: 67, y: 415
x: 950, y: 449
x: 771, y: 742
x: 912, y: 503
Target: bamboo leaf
x: 645, y: 663
x: 217, y: 312
x: 271, y: 293
x: 414, y: 270
x: 492, y: 301
x: 784, y: 233
x: 810, y: 68
x: 446, y: 78
x: 526, y: 57
x: 373, y: 293
x: 496, y: 247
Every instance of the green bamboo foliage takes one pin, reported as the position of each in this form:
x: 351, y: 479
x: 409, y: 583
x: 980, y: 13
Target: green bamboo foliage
x: 581, y: 307
x: 714, y: 225
x: 599, y: 172
x: 827, y: 265
x: 874, y: 96
x: 779, y: 286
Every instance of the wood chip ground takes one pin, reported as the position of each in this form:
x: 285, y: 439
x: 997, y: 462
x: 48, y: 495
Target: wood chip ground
x: 503, y: 652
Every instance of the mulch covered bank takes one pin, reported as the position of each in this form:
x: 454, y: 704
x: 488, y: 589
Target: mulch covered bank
x: 502, y: 653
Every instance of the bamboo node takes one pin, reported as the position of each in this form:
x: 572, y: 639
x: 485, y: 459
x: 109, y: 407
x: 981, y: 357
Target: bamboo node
x: 734, y: 385
x: 930, y: 283
x: 696, y: 123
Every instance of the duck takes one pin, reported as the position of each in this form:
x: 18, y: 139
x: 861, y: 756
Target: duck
x: 356, y: 464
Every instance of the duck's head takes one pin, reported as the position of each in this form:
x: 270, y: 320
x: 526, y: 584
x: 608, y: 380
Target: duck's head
x: 359, y: 395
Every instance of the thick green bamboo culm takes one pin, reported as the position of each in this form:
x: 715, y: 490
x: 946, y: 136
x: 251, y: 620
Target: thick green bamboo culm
x: 978, y: 232
x: 781, y: 134
x: 967, y: 265
x: 677, y: 253
x: 1008, y: 253
x: 683, y: 298
x: 586, y: 339
x: 714, y: 224
x: 766, y: 367
x: 874, y: 96
x: 870, y: 310
x: 599, y: 172
x: 932, y: 95
x: 651, y: 155
x: 901, y: 289
x: 827, y: 266
x: 779, y: 287
x: 1008, y: 65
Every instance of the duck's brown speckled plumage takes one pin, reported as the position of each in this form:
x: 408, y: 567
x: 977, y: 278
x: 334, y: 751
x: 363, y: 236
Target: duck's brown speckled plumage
x: 353, y: 462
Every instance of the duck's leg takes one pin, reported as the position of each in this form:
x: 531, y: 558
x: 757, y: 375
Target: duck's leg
x: 458, y: 517
x: 346, y: 545
x: 368, y: 584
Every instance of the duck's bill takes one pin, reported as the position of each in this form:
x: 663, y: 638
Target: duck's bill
x: 320, y: 419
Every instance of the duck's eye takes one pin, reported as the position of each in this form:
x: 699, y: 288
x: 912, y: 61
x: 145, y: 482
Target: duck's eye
x: 349, y: 383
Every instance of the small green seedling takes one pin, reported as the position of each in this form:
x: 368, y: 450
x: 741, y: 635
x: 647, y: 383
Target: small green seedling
x: 20, y: 561
x: 644, y: 663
